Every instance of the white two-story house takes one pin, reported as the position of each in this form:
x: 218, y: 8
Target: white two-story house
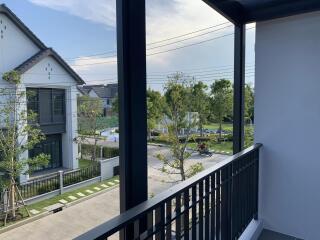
x: 54, y: 84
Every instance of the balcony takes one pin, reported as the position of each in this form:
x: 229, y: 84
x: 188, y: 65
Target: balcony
x: 218, y: 203
x: 223, y: 202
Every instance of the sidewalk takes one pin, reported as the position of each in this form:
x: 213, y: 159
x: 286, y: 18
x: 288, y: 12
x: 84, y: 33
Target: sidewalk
x: 71, y: 222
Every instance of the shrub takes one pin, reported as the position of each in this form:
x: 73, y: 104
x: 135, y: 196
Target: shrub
x: 107, y: 152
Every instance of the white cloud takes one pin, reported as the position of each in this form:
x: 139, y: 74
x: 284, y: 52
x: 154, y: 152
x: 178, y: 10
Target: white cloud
x: 99, y: 11
x: 165, y: 19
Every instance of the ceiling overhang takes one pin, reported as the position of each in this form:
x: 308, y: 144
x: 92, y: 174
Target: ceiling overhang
x: 248, y: 11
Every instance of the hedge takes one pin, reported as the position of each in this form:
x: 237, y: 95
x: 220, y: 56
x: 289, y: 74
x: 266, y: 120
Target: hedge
x: 107, y: 152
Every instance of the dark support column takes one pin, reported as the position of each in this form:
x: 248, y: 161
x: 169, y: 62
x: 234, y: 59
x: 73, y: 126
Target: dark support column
x: 239, y: 85
x: 131, y: 39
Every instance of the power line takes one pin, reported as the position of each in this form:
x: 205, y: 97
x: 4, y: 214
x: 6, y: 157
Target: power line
x: 166, y: 51
x: 156, y: 42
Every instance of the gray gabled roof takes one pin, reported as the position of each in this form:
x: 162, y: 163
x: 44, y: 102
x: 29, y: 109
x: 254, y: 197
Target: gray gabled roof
x: 102, y: 91
x: 5, y: 10
x: 29, y: 63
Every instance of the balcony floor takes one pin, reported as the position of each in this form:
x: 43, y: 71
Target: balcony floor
x: 270, y: 235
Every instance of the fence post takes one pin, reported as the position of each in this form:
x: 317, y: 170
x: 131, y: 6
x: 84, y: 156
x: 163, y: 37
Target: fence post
x: 100, y: 166
x: 61, y: 181
x: 101, y: 151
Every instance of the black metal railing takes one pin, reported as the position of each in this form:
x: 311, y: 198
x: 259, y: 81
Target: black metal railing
x: 218, y: 203
x: 40, y: 185
x: 80, y: 175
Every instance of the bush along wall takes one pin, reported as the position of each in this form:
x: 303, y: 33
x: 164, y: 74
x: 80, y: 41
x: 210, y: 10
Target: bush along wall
x: 107, y: 152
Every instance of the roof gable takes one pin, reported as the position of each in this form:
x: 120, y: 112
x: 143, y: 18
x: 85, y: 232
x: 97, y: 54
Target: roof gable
x: 29, y: 63
x: 5, y: 10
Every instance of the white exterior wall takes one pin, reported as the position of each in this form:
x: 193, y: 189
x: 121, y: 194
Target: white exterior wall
x: 38, y: 76
x: 287, y: 117
x: 15, y: 47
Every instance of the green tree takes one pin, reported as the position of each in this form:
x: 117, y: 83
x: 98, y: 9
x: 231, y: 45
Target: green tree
x: 19, y: 133
x: 115, y: 105
x: 90, y: 110
x: 200, y: 104
x: 221, y: 101
x: 249, y: 104
x: 178, y: 92
x: 154, y: 109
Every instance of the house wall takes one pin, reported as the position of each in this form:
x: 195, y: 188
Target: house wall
x: 39, y: 76
x: 287, y: 117
x: 15, y: 46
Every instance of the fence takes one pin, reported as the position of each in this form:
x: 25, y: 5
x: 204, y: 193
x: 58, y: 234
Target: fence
x: 80, y: 175
x: 40, y: 186
x: 56, y: 181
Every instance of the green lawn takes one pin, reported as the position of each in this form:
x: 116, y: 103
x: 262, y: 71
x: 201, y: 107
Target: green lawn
x: 215, y: 126
x: 225, y: 126
x: 84, y: 163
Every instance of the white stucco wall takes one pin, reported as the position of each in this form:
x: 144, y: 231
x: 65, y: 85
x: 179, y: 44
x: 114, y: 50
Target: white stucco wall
x: 287, y: 117
x: 38, y: 76
x: 15, y: 47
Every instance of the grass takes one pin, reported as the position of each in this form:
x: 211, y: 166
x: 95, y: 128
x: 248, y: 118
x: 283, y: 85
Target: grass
x: 84, y: 163
x: 225, y: 126
x: 39, y: 206
x: 215, y: 126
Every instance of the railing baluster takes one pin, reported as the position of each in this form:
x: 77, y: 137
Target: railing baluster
x: 218, y: 201
x: 194, y: 212
x: 168, y: 220
x: 206, y: 211
x: 178, y: 218
x: 200, y: 210
x: 186, y: 215
x: 150, y: 224
x: 160, y: 222
x: 136, y: 229
x: 213, y: 207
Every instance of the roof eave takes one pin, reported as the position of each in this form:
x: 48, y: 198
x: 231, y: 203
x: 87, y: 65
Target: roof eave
x: 5, y: 10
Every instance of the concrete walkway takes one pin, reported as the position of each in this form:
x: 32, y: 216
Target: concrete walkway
x: 71, y: 222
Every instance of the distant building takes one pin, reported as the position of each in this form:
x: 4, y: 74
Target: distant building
x: 107, y: 93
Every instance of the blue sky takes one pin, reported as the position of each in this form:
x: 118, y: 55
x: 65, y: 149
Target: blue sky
x: 77, y: 29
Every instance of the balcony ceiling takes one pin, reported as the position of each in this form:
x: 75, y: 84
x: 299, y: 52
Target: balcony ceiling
x: 246, y: 11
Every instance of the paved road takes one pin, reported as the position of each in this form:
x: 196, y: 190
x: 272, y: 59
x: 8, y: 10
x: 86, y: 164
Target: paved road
x: 80, y: 218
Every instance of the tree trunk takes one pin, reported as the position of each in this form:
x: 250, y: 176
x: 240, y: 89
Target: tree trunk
x: 12, y: 198
x: 201, y: 131
x: 220, y: 131
x: 94, y: 155
x: 183, y: 175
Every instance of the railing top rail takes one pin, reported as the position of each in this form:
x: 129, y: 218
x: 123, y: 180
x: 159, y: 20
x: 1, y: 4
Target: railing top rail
x: 117, y: 223
x: 40, y: 178
x: 81, y: 169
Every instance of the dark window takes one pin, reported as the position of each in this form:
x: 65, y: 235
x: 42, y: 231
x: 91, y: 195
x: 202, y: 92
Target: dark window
x: 49, y: 104
x: 51, y: 146
x: 33, y: 101
x: 45, y: 102
x: 58, y: 102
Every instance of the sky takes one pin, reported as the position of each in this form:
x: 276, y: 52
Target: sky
x: 182, y: 35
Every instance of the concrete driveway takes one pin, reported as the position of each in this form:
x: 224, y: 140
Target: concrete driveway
x: 77, y: 219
